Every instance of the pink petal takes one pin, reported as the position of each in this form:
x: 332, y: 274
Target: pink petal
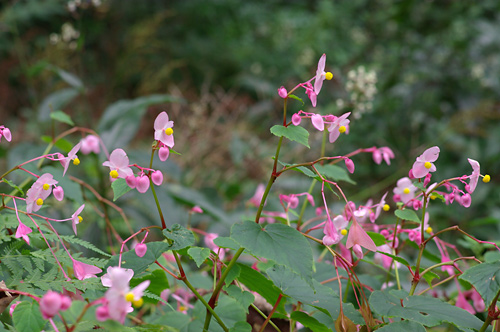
x: 358, y: 236
x: 161, y: 121
x: 118, y: 159
x: 6, y: 133
x: 296, y: 119
x: 349, y: 164
x: 431, y: 154
x: 317, y: 121
x: 419, y: 170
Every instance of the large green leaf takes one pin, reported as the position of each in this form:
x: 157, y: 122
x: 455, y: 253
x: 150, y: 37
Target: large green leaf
x: 180, y: 236
x: 406, y: 325
x: 425, y: 310
x: 280, y: 243
x: 293, y: 133
x: 228, y: 309
x: 485, y: 278
x: 62, y: 117
x: 407, y: 214
x: 309, y: 322
x: 130, y: 260
x: 244, y: 298
x: 27, y: 317
x: 335, y: 173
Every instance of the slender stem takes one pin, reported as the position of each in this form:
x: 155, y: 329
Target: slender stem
x: 491, y: 313
x: 438, y: 283
x: 163, y: 225
x: 416, y: 276
x: 271, y: 313
x: 264, y: 316
x: 396, y: 270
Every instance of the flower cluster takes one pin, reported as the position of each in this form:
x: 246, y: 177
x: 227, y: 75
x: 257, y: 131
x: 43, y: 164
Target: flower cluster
x: 361, y: 88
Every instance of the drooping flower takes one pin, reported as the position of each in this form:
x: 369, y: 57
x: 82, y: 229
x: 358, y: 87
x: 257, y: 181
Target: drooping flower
x: 140, y: 249
x: 142, y: 184
x: 84, y: 271
x: 163, y: 153
x: 163, y: 129
x: 157, y: 177
x: 338, y: 126
x: 71, y: 157
x: 90, y: 144
x: 334, y: 230
x: 296, y: 119
x: 357, y: 235
x: 462, y: 302
x: 118, y: 164
x: 310, y: 93
x: 196, y: 209
x: 424, y: 163
x: 5, y: 132
x: 405, y: 189
x: 52, y: 302
x: 23, y: 231
x: 321, y: 75
x: 75, y: 217
x: 383, y: 153
x: 58, y: 193
x: 378, y: 209
x: 317, y: 121
x: 282, y: 92
x: 474, y: 177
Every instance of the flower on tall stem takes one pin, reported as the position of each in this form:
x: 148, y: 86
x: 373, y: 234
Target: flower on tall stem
x: 39, y: 191
x: 357, y: 235
x: 163, y: 129
x: 338, y: 126
x: 424, y: 163
x: 321, y: 75
x: 334, y: 230
x: 71, y: 157
x: 118, y: 164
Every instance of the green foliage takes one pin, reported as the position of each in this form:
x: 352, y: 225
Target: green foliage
x: 309, y: 321
x: 27, y: 317
x: 334, y: 173
x: 199, y: 255
x: 120, y: 188
x: 293, y: 133
x: 130, y: 260
x: 407, y: 214
x: 405, y: 325
x: 180, y: 236
x: 485, y: 279
x: 61, y: 117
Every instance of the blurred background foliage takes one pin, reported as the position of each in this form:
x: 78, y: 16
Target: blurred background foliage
x: 436, y: 63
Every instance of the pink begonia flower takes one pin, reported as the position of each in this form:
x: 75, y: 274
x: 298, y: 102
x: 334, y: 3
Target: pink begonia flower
x: 341, y: 124
x: 282, y: 92
x: 90, y: 144
x: 118, y: 162
x: 383, y: 153
x: 333, y: 230
x: 5, y: 132
x: 257, y: 197
x: 405, y: 189
x: 357, y: 235
x: 415, y: 235
x: 358, y: 251
x: 196, y: 209
x: 209, y: 242
x: 71, y: 157
x: 163, y: 153
x: 84, y: 271
x: 462, y: 302
x: 52, y: 302
x: 474, y: 177
x: 465, y: 200
x: 424, y: 163
x: 41, y: 189
x: 163, y: 129
x: 75, y: 217
x: 140, y: 249
x: 349, y: 164
x: 296, y: 119
x: 363, y: 212
x: 157, y: 177
x: 58, y: 193
x: 119, y: 296
x: 142, y: 184
x: 23, y: 231
x: 374, y: 215
x: 318, y: 122
x: 131, y: 181
x: 310, y: 93
x: 477, y: 301
x: 320, y: 74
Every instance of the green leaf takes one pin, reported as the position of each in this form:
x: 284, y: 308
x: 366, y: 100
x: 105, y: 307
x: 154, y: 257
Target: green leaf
x: 62, y: 144
x: 407, y: 214
x: 492, y: 256
x: 428, y: 311
x: 296, y: 98
x: 159, y: 283
x: 419, y: 185
x: 154, y: 328
x: 199, y: 254
x: 396, y: 258
x: 67, y: 77
x: 335, y: 173
x: 228, y: 309
x: 280, y: 243
x: 180, y: 236
x: 485, y: 278
x: 379, y: 239
x: 244, y: 298
x: 241, y: 327
x: 120, y: 188
x: 174, y: 319
x: 309, y: 322
x: 10, y: 183
x: 130, y: 260
x: 54, y: 101
x: 62, y: 117
x: 428, y: 276
x: 293, y: 133
x: 27, y: 317
x: 406, y: 325
x: 226, y: 242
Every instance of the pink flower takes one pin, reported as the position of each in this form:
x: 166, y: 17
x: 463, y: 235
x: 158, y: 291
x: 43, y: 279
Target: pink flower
x: 142, y: 184
x: 209, y: 242
x: 131, y: 181
x: 296, y: 119
x: 357, y: 235
x: 118, y: 164
x: 157, y: 177
x: 320, y: 74
x: 310, y: 93
x: 90, y: 144
x: 163, y: 153
x: 333, y: 230
x: 282, y: 92
x: 474, y: 177
x: 51, y: 303
x: 349, y: 164
x: 163, y: 130
x: 75, y: 217
x: 58, y: 193
x: 84, y: 271
x: 338, y: 126
x: 383, y: 153
x: 23, y: 231
x: 405, y: 189
x: 424, y: 163
x: 39, y: 191
x: 378, y: 209
x: 465, y: 200
x: 257, y: 197
x: 358, y: 251
x: 477, y: 301
x: 386, y: 260
x: 462, y: 302
x: 196, y: 209
x: 5, y: 132
x: 71, y: 157
x: 317, y: 121
x: 141, y: 249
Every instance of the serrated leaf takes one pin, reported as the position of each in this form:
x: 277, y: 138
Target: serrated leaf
x: 181, y: 237
x: 406, y: 325
x: 244, y: 298
x: 428, y: 311
x: 407, y: 214
x: 485, y: 278
x: 280, y: 243
x: 428, y: 276
x: 309, y: 322
x: 199, y: 255
x: 396, y: 258
x: 27, y: 317
x: 379, y: 239
x: 419, y: 185
x: 130, y: 260
x: 293, y: 133
x: 296, y: 98
x: 120, y: 188
x: 13, y: 185
x: 61, y: 117
x: 335, y: 173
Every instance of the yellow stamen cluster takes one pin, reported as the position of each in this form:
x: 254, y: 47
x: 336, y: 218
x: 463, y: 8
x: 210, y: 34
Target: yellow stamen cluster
x: 80, y: 219
x: 428, y: 230
x: 486, y: 178
x: 45, y: 186
x: 342, y: 129
x: 427, y: 165
x: 406, y: 190
x: 76, y: 161
x: 39, y: 201
x: 328, y: 75
x: 129, y: 297
x: 169, y: 131
x: 386, y: 207
x: 343, y: 232
x: 113, y: 174
x: 182, y: 308
x: 138, y: 303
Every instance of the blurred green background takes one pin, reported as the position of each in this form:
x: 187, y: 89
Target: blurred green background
x: 437, y: 69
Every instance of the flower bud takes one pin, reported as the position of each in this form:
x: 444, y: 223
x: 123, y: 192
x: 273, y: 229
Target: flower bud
x: 142, y: 184
x: 466, y: 200
x: 157, y: 177
x: 358, y: 251
x: 163, y: 153
x: 58, y: 193
x: 349, y: 164
x: 140, y: 249
x: 131, y: 181
x: 50, y: 304
x: 282, y: 92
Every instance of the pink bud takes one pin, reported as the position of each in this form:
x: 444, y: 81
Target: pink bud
x: 466, y: 200
x: 282, y: 92
x: 157, y: 178
x: 140, y: 249
x: 417, y: 204
x: 142, y: 184
x: 318, y: 123
x: 12, y: 307
x: 349, y: 164
x: 467, y: 188
x: 427, y: 179
x: 410, y: 175
x: 58, y: 193
x: 65, y: 302
x: 131, y: 181
x: 50, y: 304
x: 102, y: 313
x: 6, y: 133
x: 296, y: 119
x: 396, y: 198
x: 196, y: 209
x: 163, y: 153
x: 358, y: 251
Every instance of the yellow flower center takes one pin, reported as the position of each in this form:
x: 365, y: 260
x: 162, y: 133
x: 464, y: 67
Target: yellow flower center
x: 80, y: 219
x: 343, y: 232
x: 386, y: 207
x: 406, y: 190
x: 486, y: 178
x: 182, y: 308
x: 328, y: 75
x: 138, y: 303
x: 45, y: 186
x: 76, y: 161
x: 113, y: 174
x: 342, y: 129
x: 39, y: 201
x: 427, y: 165
x: 129, y: 297
x: 169, y: 131
x: 428, y: 230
